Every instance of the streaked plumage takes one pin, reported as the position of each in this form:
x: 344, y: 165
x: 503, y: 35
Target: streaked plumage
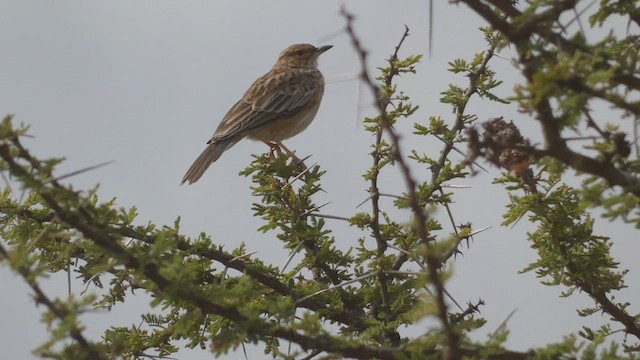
x: 277, y: 106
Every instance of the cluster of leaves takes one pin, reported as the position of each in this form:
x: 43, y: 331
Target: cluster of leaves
x: 567, y: 75
x: 353, y: 303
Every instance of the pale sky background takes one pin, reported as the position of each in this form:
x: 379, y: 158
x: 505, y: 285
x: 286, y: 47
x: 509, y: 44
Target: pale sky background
x: 145, y: 83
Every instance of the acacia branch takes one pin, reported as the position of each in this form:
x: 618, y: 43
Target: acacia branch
x: 103, y: 236
x: 432, y: 259
x: 352, y: 315
x: 556, y: 145
x: 61, y: 313
x: 631, y: 324
x: 539, y: 25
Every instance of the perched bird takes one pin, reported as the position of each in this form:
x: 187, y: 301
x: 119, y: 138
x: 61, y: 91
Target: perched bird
x: 277, y: 106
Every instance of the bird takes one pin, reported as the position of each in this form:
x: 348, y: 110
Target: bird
x: 278, y: 105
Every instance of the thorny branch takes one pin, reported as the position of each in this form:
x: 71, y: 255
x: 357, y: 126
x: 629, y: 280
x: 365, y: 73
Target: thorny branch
x: 433, y: 263
x: 109, y: 239
x: 555, y: 144
x: 106, y: 237
x: 374, y: 190
x: 347, y: 317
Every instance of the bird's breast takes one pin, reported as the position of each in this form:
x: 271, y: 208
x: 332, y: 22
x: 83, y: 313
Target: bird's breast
x: 285, y: 127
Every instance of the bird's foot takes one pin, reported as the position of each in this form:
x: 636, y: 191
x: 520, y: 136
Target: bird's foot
x: 274, y: 148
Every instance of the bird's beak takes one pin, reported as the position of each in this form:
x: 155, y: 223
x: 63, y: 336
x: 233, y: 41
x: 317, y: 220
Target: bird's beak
x: 322, y: 49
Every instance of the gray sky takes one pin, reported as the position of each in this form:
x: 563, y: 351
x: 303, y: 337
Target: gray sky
x: 145, y: 83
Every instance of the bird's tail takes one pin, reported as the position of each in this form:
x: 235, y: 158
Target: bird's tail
x: 212, y: 153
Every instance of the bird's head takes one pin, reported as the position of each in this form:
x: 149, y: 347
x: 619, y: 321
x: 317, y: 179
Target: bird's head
x: 301, y: 55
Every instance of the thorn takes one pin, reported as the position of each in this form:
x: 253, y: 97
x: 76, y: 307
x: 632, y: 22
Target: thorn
x: 293, y: 253
x: 226, y: 267
x: 299, y: 175
x: 78, y: 172
x: 315, y: 209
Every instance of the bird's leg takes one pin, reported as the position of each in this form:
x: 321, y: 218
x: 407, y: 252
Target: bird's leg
x: 274, y: 147
x: 277, y: 147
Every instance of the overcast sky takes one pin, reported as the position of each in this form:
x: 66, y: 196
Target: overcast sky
x: 145, y: 83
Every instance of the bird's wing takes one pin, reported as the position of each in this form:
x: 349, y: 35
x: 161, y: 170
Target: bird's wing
x: 272, y: 96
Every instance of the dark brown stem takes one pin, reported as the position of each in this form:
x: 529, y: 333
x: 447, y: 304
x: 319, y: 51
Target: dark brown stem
x: 420, y: 220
